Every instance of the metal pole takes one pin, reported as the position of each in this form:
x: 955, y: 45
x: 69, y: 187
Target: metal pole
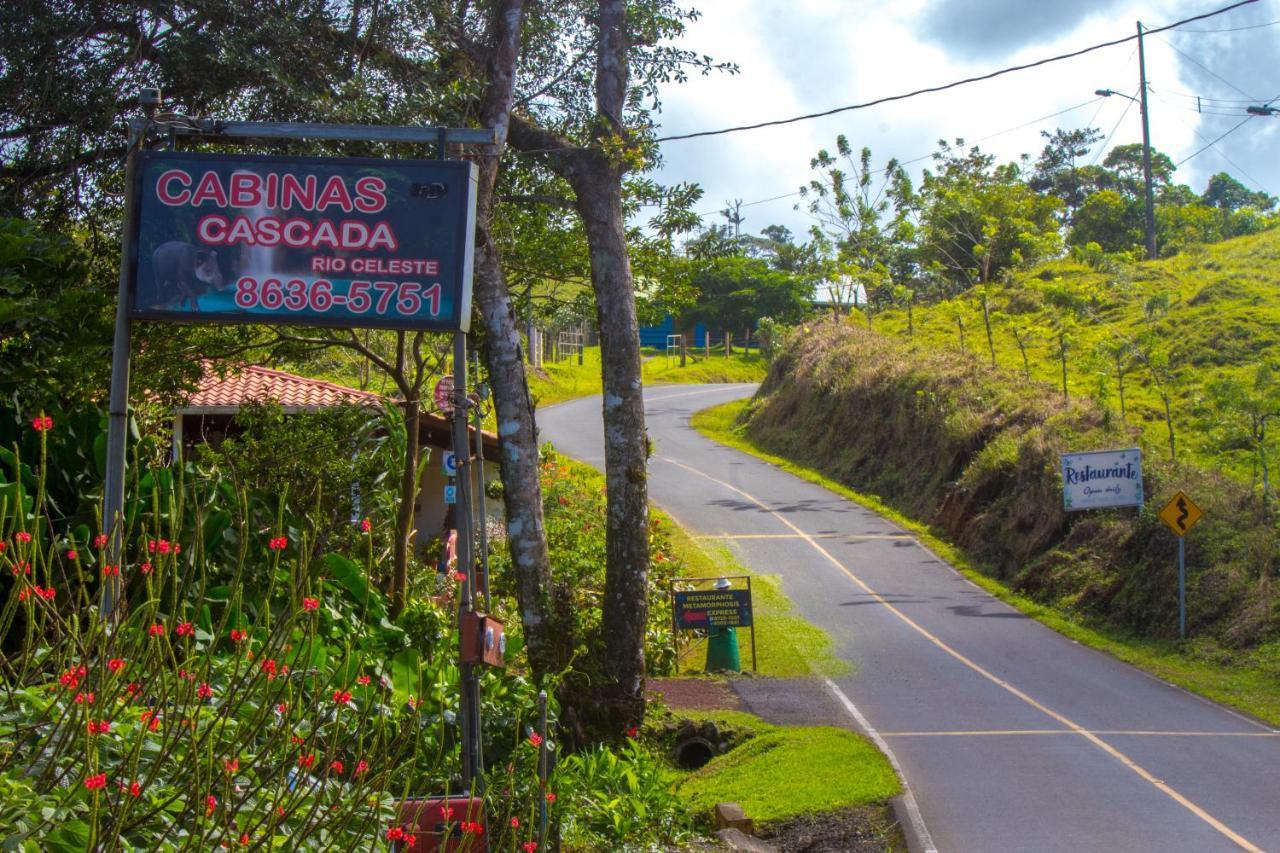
x: 479, y: 491
x: 1182, y: 587
x: 118, y: 403
x: 753, y: 625
x: 469, y: 700
x: 542, y: 771
x: 1146, y: 150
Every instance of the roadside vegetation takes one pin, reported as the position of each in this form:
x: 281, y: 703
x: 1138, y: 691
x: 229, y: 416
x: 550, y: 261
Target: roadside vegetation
x: 966, y: 454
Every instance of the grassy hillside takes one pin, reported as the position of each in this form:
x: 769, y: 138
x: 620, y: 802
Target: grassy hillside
x: 973, y: 452
x: 1213, y: 311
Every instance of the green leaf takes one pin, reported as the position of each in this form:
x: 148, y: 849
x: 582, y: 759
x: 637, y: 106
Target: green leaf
x: 350, y: 576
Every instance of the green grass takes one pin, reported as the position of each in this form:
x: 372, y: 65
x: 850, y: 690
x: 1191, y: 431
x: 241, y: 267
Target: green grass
x: 1248, y: 688
x: 565, y: 380
x: 786, y: 645
x: 785, y: 772
x: 1222, y: 320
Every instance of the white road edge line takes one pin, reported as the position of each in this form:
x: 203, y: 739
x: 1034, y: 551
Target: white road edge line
x: 908, y: 797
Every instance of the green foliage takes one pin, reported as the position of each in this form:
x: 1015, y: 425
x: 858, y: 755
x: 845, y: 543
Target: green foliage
x: 734, y: 292
x: 784, y: 772
x: 627, y: 801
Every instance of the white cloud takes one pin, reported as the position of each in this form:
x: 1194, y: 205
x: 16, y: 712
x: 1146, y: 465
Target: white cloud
x: 802, y: 57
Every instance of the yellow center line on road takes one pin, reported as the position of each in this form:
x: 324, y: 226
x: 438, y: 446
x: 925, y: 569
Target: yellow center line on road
x: 1078, y: 729
x: 846, y: 536
x: 1127, y: 733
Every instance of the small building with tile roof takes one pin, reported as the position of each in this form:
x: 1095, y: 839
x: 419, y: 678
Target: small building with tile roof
x: 208, y: 416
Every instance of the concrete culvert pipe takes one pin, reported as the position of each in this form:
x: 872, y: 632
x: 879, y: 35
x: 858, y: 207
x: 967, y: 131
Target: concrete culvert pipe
x: 694, y: 752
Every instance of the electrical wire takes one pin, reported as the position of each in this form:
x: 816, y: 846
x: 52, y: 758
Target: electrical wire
x: 1103, y: 147
x: 1223, y: 155
x: 1204, y: 67
x: 1234, y: 29
x: 952, y: 85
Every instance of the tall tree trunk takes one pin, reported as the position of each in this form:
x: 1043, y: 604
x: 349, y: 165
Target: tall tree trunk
x: 408, y: 498
x: 522, y: 492
x: 595, y: 174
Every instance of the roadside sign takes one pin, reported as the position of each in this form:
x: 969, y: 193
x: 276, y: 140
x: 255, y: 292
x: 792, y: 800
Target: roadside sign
x: 443, y: 394
x: 303, y: 241
x: 450, y: 494
x: 1181, y: 514
x: 1104, y: 478
x: 449, y: 464
x: 713, y: 608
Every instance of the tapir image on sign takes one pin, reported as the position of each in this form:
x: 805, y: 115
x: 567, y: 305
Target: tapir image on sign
x: 182, y: 273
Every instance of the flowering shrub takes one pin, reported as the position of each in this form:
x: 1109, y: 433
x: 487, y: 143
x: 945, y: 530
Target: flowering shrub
x: 252, y: 693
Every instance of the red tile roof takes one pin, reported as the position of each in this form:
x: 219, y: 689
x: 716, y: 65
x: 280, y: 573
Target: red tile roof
x: 257, y: 384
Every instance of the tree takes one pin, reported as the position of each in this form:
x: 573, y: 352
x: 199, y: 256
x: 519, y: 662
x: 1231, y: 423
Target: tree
x: 735, y: 292
x: 978, y: 220
x: 1246, y: 409
x: 1056, y: 173
x: 1109, y: 219
x: 1226, y: 193
x: 1151, y: 351
x: 592, y: 152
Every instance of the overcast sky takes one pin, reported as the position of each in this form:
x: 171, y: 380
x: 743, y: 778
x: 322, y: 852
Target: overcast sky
x: 802, y: 56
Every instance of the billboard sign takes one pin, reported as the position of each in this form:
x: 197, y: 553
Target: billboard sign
x: 1104, y: 478
x: 306, y: 241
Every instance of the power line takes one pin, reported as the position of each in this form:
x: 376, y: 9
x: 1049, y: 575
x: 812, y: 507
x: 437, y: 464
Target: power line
x: 1222, y: 154
x: 1204, y: 67
x: 952, y: 85
x: 930, y: 154
x: 1243, y: 122
x: 1234, y: 29
x: 1103, y: 147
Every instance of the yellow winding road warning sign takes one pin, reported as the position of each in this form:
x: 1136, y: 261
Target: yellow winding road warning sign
x: 1181, y: 514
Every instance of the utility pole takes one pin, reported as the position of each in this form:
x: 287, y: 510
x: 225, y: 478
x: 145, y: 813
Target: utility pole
x: 1146, y: 150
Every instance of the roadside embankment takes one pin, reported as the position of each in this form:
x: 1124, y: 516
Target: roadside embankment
x: 972, y: 455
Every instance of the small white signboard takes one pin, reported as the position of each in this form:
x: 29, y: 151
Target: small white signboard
x: 1101, y: 479
x: 449, y: 464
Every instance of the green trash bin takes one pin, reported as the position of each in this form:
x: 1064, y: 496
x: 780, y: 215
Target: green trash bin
x: 722, y: 650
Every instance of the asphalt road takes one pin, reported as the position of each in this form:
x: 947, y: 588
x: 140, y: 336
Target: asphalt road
x: 1009, y: 736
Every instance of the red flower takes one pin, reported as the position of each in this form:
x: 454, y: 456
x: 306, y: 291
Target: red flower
x: 281, y: 708
x: 306, y: 760
x: 551, y: 798
x: 244, y: 839
x: 279, y: 543
x: 210, y: 803
x: 111, y: 571
x: 336, y: 766
x: 156, y: 630
x: 115, y: 664
x: 515, y: 821
x: 362, y: 680
x: 365, y: 525
x: 447, y: 811
x: 535, y: 739
x: 633, y: 732
x: 135, y: 789
x: 97, y: 781
x: 100, y: 541
x: 84, y: 698
x: 473, y: 828
x: 133, y: 688
x: 361, y: 767
x: 232, y: 764
x: 42, y: 423
x: 269, y: 667
x: 146, y: 568
x: 184, y: 629
x: 98, y: 728
x: 238, y: 636
x: 342, y: 697
x: 204, y: 691
x: 310, y: 603
x: 71, y: 678
x: 22, y: 536
x: 2, y: 547
x: 71, y: 554
x: 395, y: 833
x: 529, y: 846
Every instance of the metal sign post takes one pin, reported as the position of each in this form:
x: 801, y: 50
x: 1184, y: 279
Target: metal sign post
x: 275, y: 222
x: 482, y: 394
x: 1181, y: 514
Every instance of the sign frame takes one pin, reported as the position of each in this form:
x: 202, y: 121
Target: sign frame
x: 675, y: 627
x: 458, y: 321
x: 1107, y: 459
